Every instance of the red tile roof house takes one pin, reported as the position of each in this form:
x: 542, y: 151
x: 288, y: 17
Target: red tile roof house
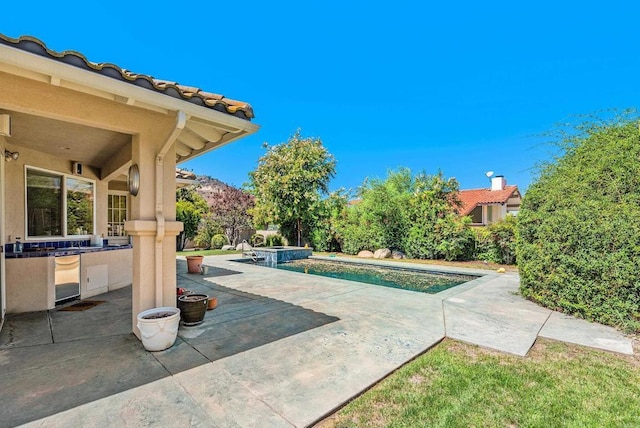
x: 78, y: 133
x: 486, y: 206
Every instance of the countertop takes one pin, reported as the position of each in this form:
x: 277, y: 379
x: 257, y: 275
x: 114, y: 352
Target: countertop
x: 66, y: 251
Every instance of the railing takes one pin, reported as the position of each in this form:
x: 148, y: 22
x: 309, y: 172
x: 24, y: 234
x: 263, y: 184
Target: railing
x: 250, y: 252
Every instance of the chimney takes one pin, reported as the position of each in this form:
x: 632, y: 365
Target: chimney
x: 498, y: 182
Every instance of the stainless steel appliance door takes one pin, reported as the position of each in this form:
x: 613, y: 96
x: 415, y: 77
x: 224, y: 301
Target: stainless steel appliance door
x: 67, y: 277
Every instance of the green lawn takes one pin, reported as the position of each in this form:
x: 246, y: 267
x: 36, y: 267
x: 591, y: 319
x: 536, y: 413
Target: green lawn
x: 460, y: 385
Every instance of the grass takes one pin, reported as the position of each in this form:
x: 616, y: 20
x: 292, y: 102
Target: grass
x: 460, y: 385
x: 206, y: 252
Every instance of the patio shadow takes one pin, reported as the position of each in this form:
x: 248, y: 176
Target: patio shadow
x: 55, y: 360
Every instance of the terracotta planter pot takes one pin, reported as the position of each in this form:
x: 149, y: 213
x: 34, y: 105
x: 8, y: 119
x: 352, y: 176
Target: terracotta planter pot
x: 193, y: 263
x: 192, y: 308
x: 213, y: 302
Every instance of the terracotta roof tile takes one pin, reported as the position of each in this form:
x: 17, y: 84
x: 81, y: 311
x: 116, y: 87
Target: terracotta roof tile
x: 185, y: 175
x: 470, y: 199
x: 187, y: 93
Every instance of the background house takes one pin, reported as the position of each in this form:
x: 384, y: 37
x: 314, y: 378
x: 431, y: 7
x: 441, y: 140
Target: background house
x: 486, y: 206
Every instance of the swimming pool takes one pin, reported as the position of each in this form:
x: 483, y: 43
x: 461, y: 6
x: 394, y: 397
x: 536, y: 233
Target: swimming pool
x: 396, y: 277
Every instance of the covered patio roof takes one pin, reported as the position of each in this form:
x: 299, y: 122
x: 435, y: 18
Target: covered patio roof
x: 212, y: 120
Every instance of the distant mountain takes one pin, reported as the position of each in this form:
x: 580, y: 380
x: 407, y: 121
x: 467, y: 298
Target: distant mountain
x: 211, y: 188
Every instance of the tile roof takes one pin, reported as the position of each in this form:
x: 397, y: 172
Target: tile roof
x: 470, y: 199
x: 187, y: 93
x: 184, y: 174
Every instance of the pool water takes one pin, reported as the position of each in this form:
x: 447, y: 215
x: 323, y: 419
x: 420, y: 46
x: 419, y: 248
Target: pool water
x: 404, y: 278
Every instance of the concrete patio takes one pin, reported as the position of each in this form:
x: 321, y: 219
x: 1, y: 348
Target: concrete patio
x: 281, y: 349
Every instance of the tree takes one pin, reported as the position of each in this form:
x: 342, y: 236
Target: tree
x: 230, y: 210
x: 289, y: 180
x: 190, y: 207
x: 578, y: 241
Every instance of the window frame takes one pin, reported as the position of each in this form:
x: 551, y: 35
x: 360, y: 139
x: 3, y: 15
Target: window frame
x: 126, y: 198
x: 63, y: 215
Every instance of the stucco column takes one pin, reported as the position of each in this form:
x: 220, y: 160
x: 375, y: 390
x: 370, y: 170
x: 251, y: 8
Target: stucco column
x: 143, y: 227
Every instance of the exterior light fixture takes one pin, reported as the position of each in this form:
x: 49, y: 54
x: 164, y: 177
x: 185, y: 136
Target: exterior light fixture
x: 134, y: 179
x: 9, y: 156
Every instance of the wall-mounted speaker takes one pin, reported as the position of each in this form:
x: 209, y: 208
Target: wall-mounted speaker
x: 77, y: 168
x: 5, y: 125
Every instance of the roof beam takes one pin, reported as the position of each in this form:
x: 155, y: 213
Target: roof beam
x: 118, y: 164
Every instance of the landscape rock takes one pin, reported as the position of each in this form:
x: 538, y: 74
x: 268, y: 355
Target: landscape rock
x: 365, y: 254
x: 382, y: 253
x: 228, y: 247
x: 398, y: 255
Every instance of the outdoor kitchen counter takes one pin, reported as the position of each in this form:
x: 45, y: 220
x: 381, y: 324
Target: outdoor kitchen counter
x: 66, y: 251
x: 30, y: 276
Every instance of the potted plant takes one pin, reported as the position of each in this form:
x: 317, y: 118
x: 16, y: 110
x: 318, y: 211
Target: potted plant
x: 158, y: 327
x: 192, y: 308
x: 212, y: 303
x: 193, y: 263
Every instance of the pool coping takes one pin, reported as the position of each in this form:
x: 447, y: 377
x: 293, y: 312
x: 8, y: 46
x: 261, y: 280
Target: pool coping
x: 483, y: 276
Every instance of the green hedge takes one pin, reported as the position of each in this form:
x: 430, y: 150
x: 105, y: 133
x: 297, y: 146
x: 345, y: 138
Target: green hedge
x: 218, y: 241
x: 496, y: 243
x: 579, y: 229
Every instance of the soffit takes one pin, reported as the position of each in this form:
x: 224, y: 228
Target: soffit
x: 91, y: 146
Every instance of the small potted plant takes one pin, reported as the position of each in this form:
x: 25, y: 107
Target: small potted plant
x: 194, y: 262
x: 192, y: 308
x: 212, y: 304
x: 158, y: 327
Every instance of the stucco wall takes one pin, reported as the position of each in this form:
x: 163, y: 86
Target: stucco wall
x: 15, y: 187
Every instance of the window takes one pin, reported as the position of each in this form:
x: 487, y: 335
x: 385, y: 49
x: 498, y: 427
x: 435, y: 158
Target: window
x: 117, y: 214
x: 58, y: 205
x: 79, y: 207
x: 44, y: 204
x: 476, y: 215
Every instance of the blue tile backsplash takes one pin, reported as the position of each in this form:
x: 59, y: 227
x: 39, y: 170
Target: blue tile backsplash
x: 8, y: 248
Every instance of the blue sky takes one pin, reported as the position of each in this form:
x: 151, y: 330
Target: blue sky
x: 463, y: 87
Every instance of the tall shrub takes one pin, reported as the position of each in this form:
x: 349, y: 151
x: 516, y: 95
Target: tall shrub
x: 579, y: 227
x: 325, y: 232
x: 497, y: 242
x: 435, y: 229
x: 412, y: 213
x: 378, y: 219
x: 190, y: 208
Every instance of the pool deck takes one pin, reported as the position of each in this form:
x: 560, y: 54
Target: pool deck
x: 282, y: 349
